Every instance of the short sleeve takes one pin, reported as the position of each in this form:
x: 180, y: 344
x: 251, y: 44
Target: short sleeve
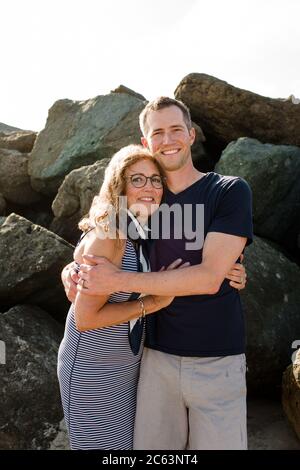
x: 233, y: 213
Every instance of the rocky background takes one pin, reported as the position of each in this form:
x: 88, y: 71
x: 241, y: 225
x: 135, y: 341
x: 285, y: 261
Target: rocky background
x: 47, y: 182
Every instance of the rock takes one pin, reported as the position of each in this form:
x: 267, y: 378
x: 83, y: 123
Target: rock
x: 22, y: 141
x: 268, y: 428
x: 2, y: 205
x: 291, y: 393
x: 128, y: 91
x: 76, y: 193
x: 14, y: 179
x: 61, y: 440
x: 271, y: 304
x: 293, y: 99
x: 201, y: 158
x: 79, y: 133
x: 2, y: 220
x: 33, y: 258
x: 273, y: 172
x: 30, y: 407
x: 226, y: 113
x: 5, y: 128
x: 67, y: 228
x: 74, y: 198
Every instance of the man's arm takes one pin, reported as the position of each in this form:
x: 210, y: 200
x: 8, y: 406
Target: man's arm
x: 220, y: 251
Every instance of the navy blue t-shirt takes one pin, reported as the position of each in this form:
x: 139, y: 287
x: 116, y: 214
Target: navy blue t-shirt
x: 203, y: 325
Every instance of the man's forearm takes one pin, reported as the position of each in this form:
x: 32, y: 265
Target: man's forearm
x: 193, y: 280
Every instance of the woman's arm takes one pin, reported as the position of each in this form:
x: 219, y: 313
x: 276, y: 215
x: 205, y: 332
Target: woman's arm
x: 88, y: 308
x: 93, y: 312
x: 116, y: 313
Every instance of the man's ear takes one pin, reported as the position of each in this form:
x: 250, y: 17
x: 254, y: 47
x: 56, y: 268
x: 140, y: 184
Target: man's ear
x: 192, y: 135
x: 144, y: 142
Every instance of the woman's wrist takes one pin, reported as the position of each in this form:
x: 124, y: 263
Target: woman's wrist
x: 150, y: 304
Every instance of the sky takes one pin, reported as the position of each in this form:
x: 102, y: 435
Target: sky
x: 78, y: 49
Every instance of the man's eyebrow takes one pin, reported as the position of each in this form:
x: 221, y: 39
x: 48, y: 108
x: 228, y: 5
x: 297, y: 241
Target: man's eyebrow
x: 174, y: 125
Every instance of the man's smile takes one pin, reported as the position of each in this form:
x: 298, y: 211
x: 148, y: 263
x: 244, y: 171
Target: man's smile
x: 171, y: 151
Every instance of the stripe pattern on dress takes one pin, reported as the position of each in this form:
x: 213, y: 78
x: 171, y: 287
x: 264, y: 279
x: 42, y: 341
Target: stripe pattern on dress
x: 98, y: 376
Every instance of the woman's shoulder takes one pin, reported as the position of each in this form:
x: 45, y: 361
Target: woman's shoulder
x: 97, y: 242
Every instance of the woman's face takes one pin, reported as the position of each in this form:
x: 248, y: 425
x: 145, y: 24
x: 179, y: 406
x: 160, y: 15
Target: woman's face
x: 143, y: 201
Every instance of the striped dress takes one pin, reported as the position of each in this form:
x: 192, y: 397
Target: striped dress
x: 98, y: 375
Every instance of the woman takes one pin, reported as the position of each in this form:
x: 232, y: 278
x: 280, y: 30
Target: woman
x: 97, y: 368
x: 98, y: 360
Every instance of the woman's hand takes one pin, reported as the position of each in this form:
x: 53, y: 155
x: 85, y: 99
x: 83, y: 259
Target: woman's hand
x: 237, y: 275
x: 163, y: 300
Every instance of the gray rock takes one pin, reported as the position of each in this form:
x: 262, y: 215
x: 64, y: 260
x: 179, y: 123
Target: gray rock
x: 80, y: 133
x: 291, y: 393
x: 2, y: 205
x: 14, y: 179
x: 61, y: 440
x: 30, y: 407
x: 33, y: 258
x: 2, y: 220
x: 268, y: 428
x: 22, y: 141
x: 273, y: 172
x: 128, y: 91
x: 271, y: 304
x: 201, y: 159
x: 76, y: 193
x: 226, y: 113
x: 5, y: 128
x: 74, y: 199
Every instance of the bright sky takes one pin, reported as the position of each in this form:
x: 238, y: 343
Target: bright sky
x: 78, y: 49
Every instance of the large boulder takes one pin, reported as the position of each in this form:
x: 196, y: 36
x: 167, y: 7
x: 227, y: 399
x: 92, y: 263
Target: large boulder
x: 33, y: 258
x: 291, y: 393
x: 271, y: 302
x: 74, y: 198
x: 14, y: 179
x: 273, y: 172
x: 76, y: 193
x: 30, y: 406
x: 79, y: 133
x: 22, y: 141
x: 226, y: 113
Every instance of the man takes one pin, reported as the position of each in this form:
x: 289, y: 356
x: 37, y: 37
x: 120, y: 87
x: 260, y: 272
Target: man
x: 192, y: 391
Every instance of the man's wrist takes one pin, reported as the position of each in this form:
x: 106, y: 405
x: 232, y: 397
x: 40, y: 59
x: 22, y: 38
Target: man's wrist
x: 123, y: 283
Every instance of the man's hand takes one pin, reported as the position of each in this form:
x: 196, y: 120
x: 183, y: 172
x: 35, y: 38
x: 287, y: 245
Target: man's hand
x: 237, y: 275
x: 98, y: 277
x: 70, y: 279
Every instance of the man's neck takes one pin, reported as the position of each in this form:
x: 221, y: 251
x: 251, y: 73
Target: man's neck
x: 181, y: 179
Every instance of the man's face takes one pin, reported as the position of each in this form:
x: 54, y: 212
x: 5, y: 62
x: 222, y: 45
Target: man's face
x: 168, y: 138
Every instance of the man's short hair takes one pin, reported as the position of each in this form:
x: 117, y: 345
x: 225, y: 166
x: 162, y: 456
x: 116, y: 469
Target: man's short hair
x: 160, y: 103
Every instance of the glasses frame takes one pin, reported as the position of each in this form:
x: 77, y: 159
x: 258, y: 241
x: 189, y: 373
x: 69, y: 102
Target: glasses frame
x: 146, y: 179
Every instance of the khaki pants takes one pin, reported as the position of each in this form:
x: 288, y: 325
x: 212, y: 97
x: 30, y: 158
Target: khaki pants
x: 191, y: 402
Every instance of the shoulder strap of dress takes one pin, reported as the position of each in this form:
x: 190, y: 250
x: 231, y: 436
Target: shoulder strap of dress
x: 83, y: 235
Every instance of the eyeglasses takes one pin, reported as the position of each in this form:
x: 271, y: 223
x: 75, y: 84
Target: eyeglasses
x: 139, y: 180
